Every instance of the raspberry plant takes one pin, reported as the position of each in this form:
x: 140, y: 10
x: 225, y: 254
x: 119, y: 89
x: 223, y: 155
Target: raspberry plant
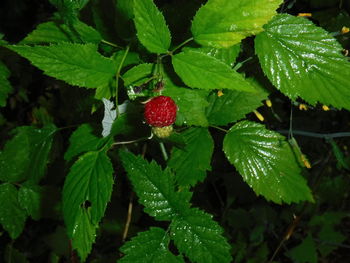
x: 205, y: 67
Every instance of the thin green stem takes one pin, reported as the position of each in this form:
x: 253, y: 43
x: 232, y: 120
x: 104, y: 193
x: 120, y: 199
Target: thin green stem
x: 118, y: 76
x: 110, y: 43
x: 240, y: 64
x: 164, y: 152
x: 180, y: 46
x: 133, y: 141
x: 219, y: 128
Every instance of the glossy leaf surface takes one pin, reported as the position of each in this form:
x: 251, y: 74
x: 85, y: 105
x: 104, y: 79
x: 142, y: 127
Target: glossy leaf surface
x: 154, y: 187
x: 148, y: 247
x: 224, y: 23
x: 266, y: 162
x: 200, y: 238
x: 303, y: 60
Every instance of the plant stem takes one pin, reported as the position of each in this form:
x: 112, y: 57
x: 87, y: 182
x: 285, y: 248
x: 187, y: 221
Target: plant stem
x: 133, y: 141
x: 164, y: 153
x: 128, y: 218
x: 179, y: 46
x: 118, y: 76
x: 219, y: 128
x: 110, y: 43
x: 317, y: 135
x: 240, y: 64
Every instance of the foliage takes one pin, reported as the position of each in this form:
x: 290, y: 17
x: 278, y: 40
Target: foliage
x: 222, y: 186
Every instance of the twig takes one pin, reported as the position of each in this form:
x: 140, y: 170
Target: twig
x: 128, y: 218
x: 317, y: 135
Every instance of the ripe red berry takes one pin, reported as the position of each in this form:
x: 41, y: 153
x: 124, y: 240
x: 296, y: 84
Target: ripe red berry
x: 160, y: 111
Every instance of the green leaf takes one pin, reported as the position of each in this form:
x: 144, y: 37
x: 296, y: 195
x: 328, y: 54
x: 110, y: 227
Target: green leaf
x: 51, y: 32
x: 25, y: 156
x: 191, y: 104
x: 304, y: 252
x: 88, y: 184
x: 108, y: 90
x: 303, y: 60
x: 130, y: 59
x: 224, y: 23
x: 12, y: 217
x: 14, y: 158
x: 76, y: 64
x: 84, y: 233
x: 148, y: 247
x: 266, y: 162
x: 5, y: 85
x: 138, y: 75
x: 151, y: 28
x: 226, y: 55
x: 203, y: 71
x: 233, y: 105
x: 126, y: 7
x: 154, y: 187
x: 82, y: 140
x: 40, y: 146
x: 199, y: 237
x: 192, y: 162
x: 29, y: 198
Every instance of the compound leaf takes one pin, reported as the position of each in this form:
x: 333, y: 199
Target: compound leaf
x: 224, y: 23
x: 266, y: 162
x: 154, y: 187
x: 199, y: 237
x: 87, y: 185
x: 202, y: 71
x: 12, y: 216
x: 76, y: 64
x: 303, y: 60
x: 151, y: 28
x: 148, y: 247
x: 192, y: 162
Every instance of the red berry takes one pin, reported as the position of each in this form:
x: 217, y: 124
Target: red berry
x: 160, y: 111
